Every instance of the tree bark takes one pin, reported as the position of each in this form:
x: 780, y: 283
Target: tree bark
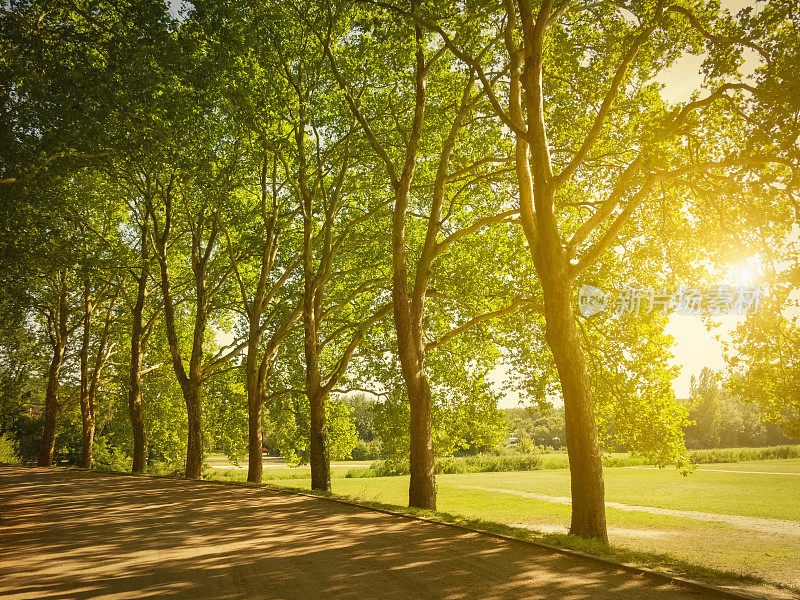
x: 320, y: 458
x: 194, y: 445
x: 191, y: 382
x: 87, y: 420
x: 137, y: 347
x: 254, y: 439
x: 536, y: 197
x: 586, y: 470
x: 422, y: 486
x: 313, y: 290
x: 58, y: 331
x: 47, y: 446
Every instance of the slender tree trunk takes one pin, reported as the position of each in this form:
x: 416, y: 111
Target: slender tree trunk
x: 87, y: 422
x: 422, y: 486
x: 59, y: 332
x: 312, y: 299
x: 320, y: 463
x: 194, y: 445
x: 192, y: 382
x: 87, y: 441
x: 51, y: 408
x: 137, y: 346
x: 255, y: 439
x: 540, y: 224
x: 255, y: 402
x: 586, y: 470
x: 135, y: 387
x: 320, y: 458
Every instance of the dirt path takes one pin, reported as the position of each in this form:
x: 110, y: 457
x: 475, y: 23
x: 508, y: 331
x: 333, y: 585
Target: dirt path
x: 74, y: 535
x: 729, y: 471
x: 779, y: 526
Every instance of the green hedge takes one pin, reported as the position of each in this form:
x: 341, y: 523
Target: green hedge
x: 730, y: 455
x: 484, y: 463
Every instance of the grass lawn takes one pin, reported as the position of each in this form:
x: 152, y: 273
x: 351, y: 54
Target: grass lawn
x: 720, y: 546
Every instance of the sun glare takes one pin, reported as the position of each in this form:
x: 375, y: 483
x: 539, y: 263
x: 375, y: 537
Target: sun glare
x: 746, y: 272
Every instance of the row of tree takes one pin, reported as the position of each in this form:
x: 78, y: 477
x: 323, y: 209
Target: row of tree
x: 280, y: 201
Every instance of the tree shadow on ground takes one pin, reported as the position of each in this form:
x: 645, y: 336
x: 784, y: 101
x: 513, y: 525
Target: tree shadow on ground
x: 76, y: 534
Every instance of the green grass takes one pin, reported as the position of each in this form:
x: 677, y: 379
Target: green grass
x: 705, y: 490
x: 753, y: 495
x: 779, y: 466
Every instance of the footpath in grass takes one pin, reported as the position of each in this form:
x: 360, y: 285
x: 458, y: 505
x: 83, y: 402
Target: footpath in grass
x: 671, y: 540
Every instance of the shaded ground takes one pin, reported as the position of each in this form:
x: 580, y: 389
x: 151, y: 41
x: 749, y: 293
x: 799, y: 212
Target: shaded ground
x: 73, y: 534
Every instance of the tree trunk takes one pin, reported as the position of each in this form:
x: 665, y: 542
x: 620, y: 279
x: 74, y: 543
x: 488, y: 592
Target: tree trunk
x: 192, y: 382
x: 320, y: 459
x: 254, y: 438
x: 87, y: 441
x: 422, y: 486
x: 51, y: 409
x: 135, y: 387
x: 137, y: 346
x: 586, y: 470
x: 87, y: 424
x: 194, y: 445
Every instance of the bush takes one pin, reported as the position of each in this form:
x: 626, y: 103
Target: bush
x: 7, y: 453
x: 366, y: 450
x: 163, y: 468
x: 729, y: 455
x: 481, y: 463
x: 107, y: 457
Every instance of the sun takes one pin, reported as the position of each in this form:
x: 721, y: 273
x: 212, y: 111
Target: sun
x: 746, y: 272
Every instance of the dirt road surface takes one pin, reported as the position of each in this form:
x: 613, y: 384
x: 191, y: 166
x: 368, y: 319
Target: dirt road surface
x: 69, y: 535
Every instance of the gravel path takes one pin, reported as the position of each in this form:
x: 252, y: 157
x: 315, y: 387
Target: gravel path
x: 729, y: 471
x: 779, y: 526
x: 75, y: 535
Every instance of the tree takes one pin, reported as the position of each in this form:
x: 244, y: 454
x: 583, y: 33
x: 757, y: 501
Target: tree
x: 585, y: 177
x: 446, y: 152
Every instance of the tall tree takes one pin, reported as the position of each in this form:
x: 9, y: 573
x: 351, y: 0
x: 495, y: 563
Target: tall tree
x: 446, y: 158
x: 59, y: 310
x: 625, y: 155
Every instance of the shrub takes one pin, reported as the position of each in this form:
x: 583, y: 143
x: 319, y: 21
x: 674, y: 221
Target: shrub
x: 107, y: 457
x: 366, y: 450
x: 7, y: 453
x: 728, y: 455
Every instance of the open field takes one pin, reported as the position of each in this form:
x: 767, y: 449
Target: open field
x: 742, y: 518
